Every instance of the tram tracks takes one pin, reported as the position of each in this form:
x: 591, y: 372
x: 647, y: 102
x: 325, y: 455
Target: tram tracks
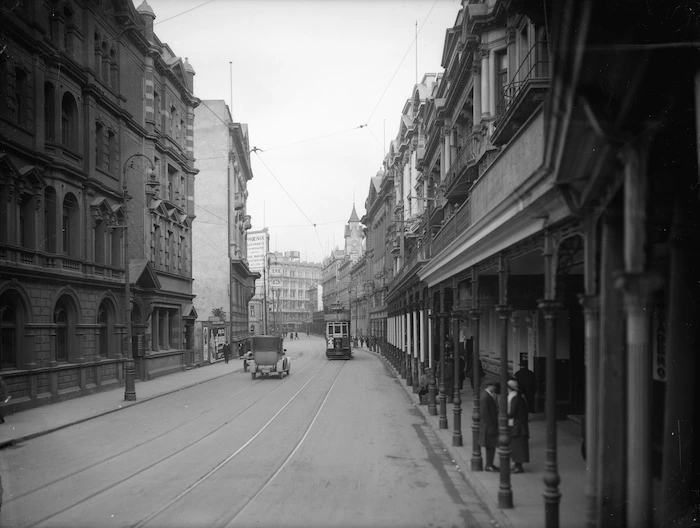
x: 192, y: 487
x: 66, y: 479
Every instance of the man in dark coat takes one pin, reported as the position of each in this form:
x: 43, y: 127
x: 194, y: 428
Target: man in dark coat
x: 488, y: 425
x: 227, y: 352
x: 526, y: 382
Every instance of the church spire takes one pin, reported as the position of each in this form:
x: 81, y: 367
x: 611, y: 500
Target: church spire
x: 353, y: 216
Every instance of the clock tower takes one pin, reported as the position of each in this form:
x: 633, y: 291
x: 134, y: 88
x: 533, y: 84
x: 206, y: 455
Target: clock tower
x: 353, y: 236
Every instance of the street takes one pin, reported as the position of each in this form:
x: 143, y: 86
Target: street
x: 336, y: 443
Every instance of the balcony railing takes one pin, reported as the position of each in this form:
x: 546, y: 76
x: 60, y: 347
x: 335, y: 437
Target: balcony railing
x: 419, y: 255
x: 526, y: 90
x: 464, y: 157
x: 455, y: 226
x: 27, y: 257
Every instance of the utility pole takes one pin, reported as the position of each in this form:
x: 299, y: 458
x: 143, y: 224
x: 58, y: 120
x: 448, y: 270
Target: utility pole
x: 129, y: 370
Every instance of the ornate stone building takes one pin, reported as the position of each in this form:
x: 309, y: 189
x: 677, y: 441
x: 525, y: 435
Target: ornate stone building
x: 289, y: 283
x: 336, y: 267
x: 96, y: 117
x: 561, y: 216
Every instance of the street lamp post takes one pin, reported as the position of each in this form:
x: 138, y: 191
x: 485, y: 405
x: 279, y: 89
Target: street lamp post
x: 265, y: 315
x: 130, y: 374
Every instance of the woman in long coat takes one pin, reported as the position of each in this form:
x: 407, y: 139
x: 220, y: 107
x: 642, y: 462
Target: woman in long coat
x: 519, y: 428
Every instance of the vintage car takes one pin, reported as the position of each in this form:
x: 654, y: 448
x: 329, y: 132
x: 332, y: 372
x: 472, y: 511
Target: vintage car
x: 266, y: 357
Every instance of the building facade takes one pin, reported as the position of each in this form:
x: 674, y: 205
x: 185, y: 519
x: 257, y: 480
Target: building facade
x: 337, y: 266
x: 378, y: 235
x: 224, y: 279
x: 88, y: 164
x: 555, y: 236
x: 258, y: 248
x: 289, y: 282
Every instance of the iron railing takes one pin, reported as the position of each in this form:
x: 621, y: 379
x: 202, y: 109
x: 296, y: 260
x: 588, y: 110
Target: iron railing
x: 534, y: 67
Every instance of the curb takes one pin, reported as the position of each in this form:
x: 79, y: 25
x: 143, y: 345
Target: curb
x: 12, y: 441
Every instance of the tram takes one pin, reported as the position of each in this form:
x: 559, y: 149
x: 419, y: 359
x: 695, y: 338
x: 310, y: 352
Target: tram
x: 337, y: 321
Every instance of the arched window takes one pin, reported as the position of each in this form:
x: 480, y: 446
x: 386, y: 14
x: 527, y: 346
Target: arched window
x: 49, y: 242
x: 69, y: 122
x: 104, y: 324
x: 9, y: 332
x: 49, y: 112
x: 63, y: 322
x: 71, y: 225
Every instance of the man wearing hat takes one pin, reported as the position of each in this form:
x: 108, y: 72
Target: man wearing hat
x: 526, y: 382
x: 488, y: 425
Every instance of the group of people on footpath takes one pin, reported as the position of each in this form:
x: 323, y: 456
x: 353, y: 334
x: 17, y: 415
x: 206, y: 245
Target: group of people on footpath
x: 521, y: 389
x: 521, y: 393
x: 369, y: 341
x: 292, y: 335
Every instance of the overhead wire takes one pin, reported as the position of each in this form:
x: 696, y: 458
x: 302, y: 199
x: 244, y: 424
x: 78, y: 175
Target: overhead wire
x: 315, y: 226
x: 401, y: 62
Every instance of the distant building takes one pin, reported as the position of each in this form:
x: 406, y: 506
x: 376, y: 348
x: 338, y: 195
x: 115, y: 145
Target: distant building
x: 288, y: 285
x: 223, y: 278
x: 336, y: 267
x: 258, y: 248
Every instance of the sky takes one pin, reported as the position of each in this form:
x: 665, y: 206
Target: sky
x: 321, y: 85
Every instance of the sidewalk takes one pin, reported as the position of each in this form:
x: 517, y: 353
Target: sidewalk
x: 528, y: 487
x: 48, y: 418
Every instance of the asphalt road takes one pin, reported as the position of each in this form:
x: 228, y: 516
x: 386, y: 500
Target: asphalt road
x: 335, y: 444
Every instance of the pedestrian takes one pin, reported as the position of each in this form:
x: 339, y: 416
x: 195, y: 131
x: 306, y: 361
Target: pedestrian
x: 296, y: 336
x: 488, y: 425
x: 519, y: 429
x: 362, y: 341
x: 461, y: 364
x: 449, y: 376
x: 526, y: 383
x: 4, y: 397
x: 424, y: 385
x: 227, y: 352
x: 469, y: 369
